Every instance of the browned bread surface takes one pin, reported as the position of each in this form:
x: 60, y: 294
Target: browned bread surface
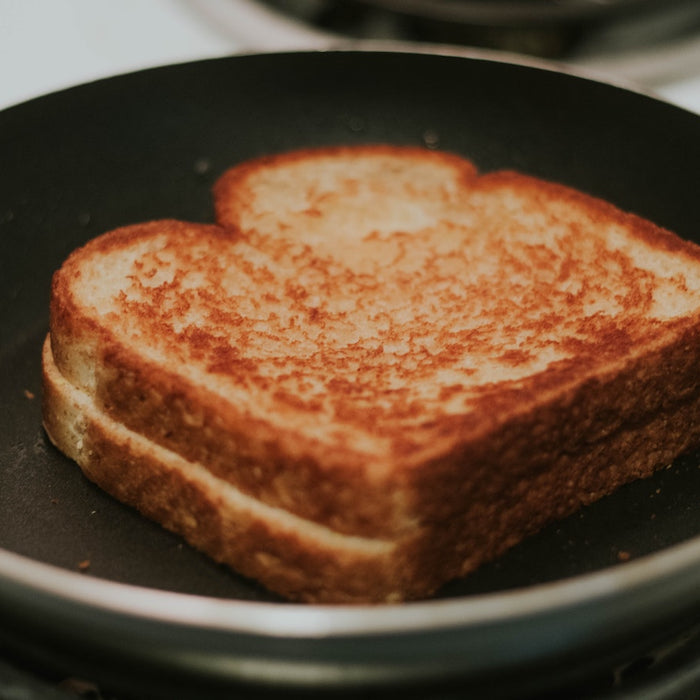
x: 386, y: 345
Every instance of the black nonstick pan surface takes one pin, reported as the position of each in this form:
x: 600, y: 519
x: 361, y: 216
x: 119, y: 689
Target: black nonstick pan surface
x: 87, y: 584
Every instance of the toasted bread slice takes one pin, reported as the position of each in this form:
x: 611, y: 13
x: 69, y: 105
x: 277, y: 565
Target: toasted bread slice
x: 381, y: 344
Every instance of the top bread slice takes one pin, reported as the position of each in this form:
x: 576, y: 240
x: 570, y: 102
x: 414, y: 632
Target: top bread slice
x: 384, y: 342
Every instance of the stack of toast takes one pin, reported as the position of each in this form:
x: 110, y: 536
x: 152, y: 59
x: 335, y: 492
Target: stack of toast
x: 378, y: 370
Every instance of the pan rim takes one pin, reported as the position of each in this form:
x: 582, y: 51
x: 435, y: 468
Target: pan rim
x: 677, y: 566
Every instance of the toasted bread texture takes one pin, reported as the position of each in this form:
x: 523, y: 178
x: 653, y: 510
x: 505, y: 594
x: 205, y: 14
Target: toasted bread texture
x: 379, y: 370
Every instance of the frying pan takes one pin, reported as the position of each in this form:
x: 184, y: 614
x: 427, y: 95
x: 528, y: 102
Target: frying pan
x: 89, y: 586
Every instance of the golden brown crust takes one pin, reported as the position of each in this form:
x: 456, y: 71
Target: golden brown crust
x: 521, y: 338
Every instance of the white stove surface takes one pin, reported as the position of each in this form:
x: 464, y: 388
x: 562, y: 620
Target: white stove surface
x: 46, y: 45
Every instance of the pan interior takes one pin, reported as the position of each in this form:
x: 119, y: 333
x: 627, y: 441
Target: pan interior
x: 150, y: 145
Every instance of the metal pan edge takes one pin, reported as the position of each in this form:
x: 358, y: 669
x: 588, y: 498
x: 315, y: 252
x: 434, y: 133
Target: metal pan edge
x: 339, y: 647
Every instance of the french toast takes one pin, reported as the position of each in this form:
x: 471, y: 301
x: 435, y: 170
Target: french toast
x: 378, y: 370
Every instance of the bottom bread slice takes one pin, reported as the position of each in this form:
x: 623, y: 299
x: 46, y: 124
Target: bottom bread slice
x: 303, y: 560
